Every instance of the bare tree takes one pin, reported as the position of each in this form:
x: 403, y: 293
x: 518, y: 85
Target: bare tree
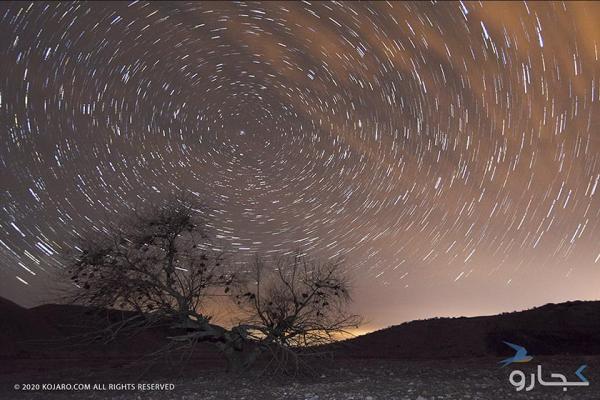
x: 294, y: 302
x: 158, y: 264
x: 161, y: 266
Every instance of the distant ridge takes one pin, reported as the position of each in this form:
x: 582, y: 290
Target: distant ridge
x: 565, y: 328
x: 19, y: 325
x: 65, y: 331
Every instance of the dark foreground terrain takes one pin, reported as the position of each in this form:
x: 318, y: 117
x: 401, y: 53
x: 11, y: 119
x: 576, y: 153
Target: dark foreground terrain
x: 345, y: 379
x: 45, y: 353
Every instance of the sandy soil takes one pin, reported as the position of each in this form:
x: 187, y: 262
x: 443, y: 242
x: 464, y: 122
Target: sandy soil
x: 343, y: 379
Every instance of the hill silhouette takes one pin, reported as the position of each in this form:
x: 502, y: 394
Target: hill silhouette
x: 19, y: 325
x: 565, y: 328
x: 54, y: 330
x: 72, y: 331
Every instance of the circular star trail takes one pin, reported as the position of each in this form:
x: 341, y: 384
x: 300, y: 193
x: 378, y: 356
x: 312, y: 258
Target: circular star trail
x: 449, y: 152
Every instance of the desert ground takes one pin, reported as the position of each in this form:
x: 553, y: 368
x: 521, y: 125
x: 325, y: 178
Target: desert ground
x: 343, y: 379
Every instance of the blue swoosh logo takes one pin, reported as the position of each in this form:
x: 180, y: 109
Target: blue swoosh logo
x: 580, y: 375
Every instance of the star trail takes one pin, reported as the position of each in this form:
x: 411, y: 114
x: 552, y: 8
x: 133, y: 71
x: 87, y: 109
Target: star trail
x: 448, y: 151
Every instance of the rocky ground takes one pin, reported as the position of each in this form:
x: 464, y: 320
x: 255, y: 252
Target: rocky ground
x: 343, y: 380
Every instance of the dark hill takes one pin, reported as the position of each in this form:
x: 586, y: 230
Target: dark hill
x: 18, y: 326
x: 75, y: 323
x: 71, y: 331
x: 565, y: 328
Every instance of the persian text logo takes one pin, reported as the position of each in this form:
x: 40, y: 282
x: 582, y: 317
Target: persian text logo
x: 518, y: 378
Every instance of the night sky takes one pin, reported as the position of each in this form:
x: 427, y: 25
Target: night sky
x: 450, y: 152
